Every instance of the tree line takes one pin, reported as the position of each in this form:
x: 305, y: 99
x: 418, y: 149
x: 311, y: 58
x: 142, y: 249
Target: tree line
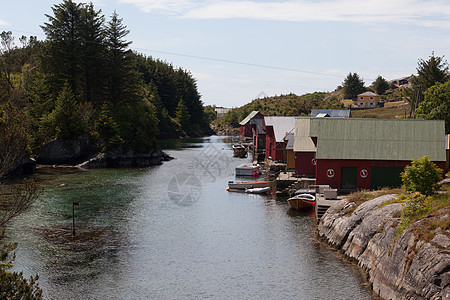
x: 84, y: 79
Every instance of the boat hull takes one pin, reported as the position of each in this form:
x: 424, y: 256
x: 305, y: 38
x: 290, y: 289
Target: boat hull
x: 263, y: 190
x: 247, y: 185
x: 302, y: 202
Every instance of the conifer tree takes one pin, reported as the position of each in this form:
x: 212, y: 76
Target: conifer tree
x: 380, y: 85
x: 352, y: 86
x: 65, y: 116
x: 182, y: 116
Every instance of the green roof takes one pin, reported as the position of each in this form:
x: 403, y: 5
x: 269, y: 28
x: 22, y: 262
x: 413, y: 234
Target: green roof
x: 378, y: 139
x: 302, y: 140
x: 249, y: 117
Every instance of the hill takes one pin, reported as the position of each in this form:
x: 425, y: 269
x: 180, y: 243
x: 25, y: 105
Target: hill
x: 292, y: 105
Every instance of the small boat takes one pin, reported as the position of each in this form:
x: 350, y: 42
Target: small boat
x: 302, y: 201
x: 261, y: 190
x: 247, y: 185
x: 253, y: 170
x: 239, y: 151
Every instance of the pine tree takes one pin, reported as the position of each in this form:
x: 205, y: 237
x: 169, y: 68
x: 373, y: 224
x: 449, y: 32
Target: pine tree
x: 65, y: 116
x: 75, y: 50
x: 182, y: 116
x: 429, y: 72
x: 120, y: 74
x: 380, y: 85
x: 352, y: 86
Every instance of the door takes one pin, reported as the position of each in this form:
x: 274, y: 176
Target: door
x: 348, y: 178
x: 385, y: 177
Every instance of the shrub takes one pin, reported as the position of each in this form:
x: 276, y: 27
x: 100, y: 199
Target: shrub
x: 421, y: 176
x: 415, y: 204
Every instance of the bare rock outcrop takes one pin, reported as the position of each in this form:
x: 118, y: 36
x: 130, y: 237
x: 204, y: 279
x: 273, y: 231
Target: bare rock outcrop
x: 403, y: 266
x: 60, y: 152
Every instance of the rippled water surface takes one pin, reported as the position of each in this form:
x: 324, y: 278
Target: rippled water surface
x: 173, y: 231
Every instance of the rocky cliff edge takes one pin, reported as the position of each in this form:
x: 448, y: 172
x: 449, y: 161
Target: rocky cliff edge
x: 412, y: 265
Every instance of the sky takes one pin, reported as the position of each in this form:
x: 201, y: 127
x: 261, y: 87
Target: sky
x: 242, y: 50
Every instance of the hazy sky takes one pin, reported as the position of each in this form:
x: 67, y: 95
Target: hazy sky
x: 242, y: 50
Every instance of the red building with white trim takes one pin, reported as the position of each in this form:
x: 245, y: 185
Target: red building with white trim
x: 372, y: 153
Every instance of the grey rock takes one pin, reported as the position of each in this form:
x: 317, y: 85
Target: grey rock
x: 59, y: 152
x: 399, y: 267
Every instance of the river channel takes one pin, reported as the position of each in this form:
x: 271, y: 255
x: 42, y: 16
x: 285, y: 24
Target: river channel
x: 174, y: 232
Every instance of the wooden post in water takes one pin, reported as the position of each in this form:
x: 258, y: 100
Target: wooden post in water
x: 73, y: 218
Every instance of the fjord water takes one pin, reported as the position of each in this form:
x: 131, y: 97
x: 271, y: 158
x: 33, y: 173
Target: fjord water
x: 174, y: 232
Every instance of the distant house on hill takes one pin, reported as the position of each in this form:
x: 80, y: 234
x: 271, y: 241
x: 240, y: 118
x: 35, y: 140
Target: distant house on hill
x: 332, y: 113
x: 367, y: 100
x: 221, y: 111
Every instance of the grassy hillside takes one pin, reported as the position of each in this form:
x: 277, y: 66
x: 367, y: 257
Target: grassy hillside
x: 293, y: 105
x: 283, y: 105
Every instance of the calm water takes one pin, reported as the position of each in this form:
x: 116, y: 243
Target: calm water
x: 173, y: 231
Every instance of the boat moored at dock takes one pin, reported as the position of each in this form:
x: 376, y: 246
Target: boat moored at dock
x: 302, y: 201
x: 239, y: 151
x: 248, y: 184
x: 248, y: 170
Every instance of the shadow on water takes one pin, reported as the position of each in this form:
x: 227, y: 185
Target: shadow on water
x: 183, y: 143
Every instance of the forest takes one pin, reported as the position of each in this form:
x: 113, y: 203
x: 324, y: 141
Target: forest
x: 84, y: 79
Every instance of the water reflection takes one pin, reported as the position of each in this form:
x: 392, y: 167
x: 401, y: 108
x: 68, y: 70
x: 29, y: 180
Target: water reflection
x: 134, y: 239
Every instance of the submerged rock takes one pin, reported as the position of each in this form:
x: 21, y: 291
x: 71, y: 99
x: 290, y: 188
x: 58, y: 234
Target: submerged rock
x: 399, y: 266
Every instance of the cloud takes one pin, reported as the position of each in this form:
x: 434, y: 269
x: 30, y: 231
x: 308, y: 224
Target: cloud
x: 420, y: 12
x: 3, y: 23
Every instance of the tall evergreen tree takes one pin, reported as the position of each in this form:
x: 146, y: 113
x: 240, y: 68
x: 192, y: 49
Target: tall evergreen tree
x: 75, y: 49
x: 352, y: 86
x: 429, y: 72
x: 434, y: 70
x: 182, y: 116
x: 118, y: 60
x: 380, y: 85
x: 93, y: 53
x: 65, y: 116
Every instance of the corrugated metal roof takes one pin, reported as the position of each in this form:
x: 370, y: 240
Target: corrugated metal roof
x: 259, y: 125
x: 290, y: 141
x: 334, y: 113
x: 302, y: 140
x: 378, y: 139
x: 281, y: 126
x: 249, y: 117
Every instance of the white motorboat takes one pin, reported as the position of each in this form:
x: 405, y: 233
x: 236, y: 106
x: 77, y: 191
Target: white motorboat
x: 261, y: 190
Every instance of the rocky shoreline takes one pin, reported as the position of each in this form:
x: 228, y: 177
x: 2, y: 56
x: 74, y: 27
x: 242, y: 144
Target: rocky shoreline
x: 80, y: 153
x: 398, y: 266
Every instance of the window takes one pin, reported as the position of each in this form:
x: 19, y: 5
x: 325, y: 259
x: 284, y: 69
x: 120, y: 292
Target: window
x: 371, y: 98
x: 361, y: 98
